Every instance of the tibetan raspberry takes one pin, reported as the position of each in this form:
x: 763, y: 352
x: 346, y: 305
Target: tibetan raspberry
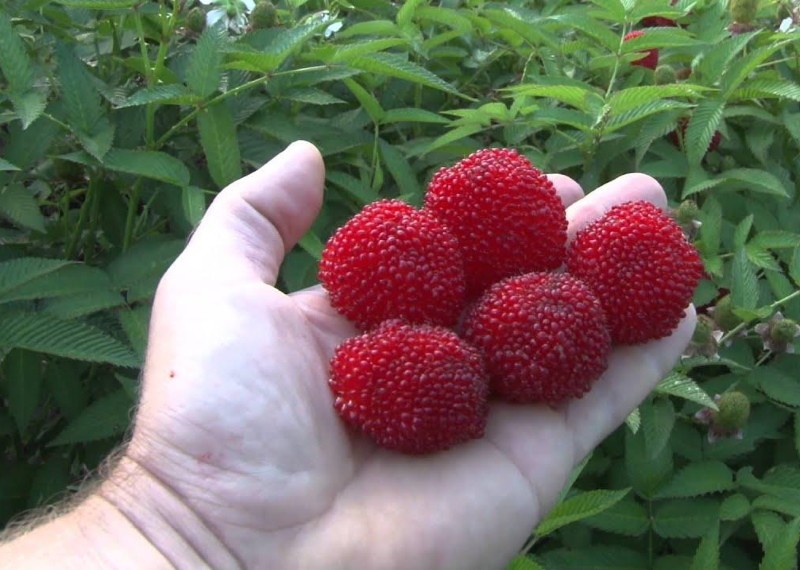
x: 650, y: 59
x: 393, y: 261
x: 638, y: 262
x: 505, y: 214
x: 543, y: 337
x: 411, y: 388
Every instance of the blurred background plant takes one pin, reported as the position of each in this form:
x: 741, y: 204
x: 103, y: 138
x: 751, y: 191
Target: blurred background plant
x: 121, y: 119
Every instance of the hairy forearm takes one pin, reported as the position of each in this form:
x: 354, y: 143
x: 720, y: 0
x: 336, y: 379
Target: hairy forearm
x: 93, y: 535
x: 130, y: 520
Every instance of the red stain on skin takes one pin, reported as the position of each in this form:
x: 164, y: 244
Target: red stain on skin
x: 172, y: 374
x: 205, y: 457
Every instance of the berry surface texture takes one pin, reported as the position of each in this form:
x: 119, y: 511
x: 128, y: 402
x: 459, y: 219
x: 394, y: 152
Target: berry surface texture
x: 505, y: 214
x: 639, y: 264
x: 415, y: 389
x: 543, y: 336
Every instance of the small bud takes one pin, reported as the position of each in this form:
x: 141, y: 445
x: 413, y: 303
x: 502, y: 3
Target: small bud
x: 263, y: 15
x: 196, y: 20
x: 683, y: 73
x: 665, y: 74
x: 687, y: 212
x: 724, y: 316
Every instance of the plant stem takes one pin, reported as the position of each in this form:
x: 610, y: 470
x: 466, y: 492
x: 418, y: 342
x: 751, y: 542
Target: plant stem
x: 735, y: 330
x: 133, y: 202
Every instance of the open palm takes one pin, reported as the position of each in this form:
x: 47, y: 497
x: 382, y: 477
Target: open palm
x: 237, y: 421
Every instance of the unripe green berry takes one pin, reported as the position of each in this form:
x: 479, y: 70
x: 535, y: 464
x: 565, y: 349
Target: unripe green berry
x: 687, y: 212
x: 784, y: 330
x: 263, y: 15
x: 734, y: 409
x: 665, y: 74
x: 724, y: 316
x: 196, y: 20
x: 743, y: 11
x: 703, y: 329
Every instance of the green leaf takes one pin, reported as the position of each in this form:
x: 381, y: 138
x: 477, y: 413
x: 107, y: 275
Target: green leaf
x: 367, y: 100
x: 193, y: 204
x: 577, y: 96
x: 716, y: 60
x: 579, y: 507
x: 71, y: 339
x: 743, y: 66
x: 81, y: 99
x: 107, y: 417
x: 777, y: 385
x: 19, y: 206
x: 401, y: 170
x: 344, y: 53
x: 634, y: 420
x: 99, y: 142
x: 782, y: 551
x: 50, y: 481
x: 395, y: 65
x: 67, y: 280
x: 734, y: 508
x: 221, y: 147
x: 77, y: 305
x: 28, y: 105
x: 17, y: 272
x: 702, y: 125
x: 707, y: 555
x: 360, y: 192
x: 742, y: 231
x: 646, y: 474
x: 278, y: 51
x: 794, y: 267
x: 797, y: 431
x: 136, y: 322
x: 685, y: 518
x: 14, y: 61
x: 204, y: 70
x: 696, y: 479
x: 768, y: 88
x: 658, y: 418
x: 599, y: 557
x: 311, y: 243
x: 174, y: 94
x: 776, y: 239
x: 312, y: 96
x: 632, y: 97
x: 754, y: 180
x: 627, y: 517
x: 149, y: 164
x: 681, y: 386
x: 524, y: 563
x: 99, y: 4
x: 412, y: 115
x: 6, y: 166
x: 63, y: 380
x: 744, y: 284
x: 23, y: 374
x: 138, y: 271
x: 761, y: 258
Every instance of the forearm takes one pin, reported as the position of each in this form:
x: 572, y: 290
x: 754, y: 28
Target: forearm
x: 131, y: 521
x: 94, y: 535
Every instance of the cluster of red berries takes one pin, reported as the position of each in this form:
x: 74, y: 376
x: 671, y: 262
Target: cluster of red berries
x: 466, y: 298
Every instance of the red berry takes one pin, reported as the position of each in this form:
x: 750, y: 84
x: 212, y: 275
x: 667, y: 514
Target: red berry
x: 650, y: 59
x: 658, y: 22
x: 678, y: 136
x: 543, y: 337
x: 505, y: 214
x: 639, y: 264
x: 415, y: 389
x: 394, y: 261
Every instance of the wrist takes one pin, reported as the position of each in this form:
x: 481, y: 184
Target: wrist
x: 163, y: 519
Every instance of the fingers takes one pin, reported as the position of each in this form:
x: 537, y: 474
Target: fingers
x: 632, y: 373
x: 254, y: 221
x: 626, y: 188
x: 568, y: 190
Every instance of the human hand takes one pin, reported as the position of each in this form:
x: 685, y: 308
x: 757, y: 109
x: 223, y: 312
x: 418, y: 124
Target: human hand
x: 239, y: 451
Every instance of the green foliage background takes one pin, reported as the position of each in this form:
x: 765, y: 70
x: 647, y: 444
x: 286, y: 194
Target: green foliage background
x: 118, y: 124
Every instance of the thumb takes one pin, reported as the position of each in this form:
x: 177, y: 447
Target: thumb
x: 255, y: 221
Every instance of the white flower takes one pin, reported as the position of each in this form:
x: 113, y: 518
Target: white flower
x: 233, y: 13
